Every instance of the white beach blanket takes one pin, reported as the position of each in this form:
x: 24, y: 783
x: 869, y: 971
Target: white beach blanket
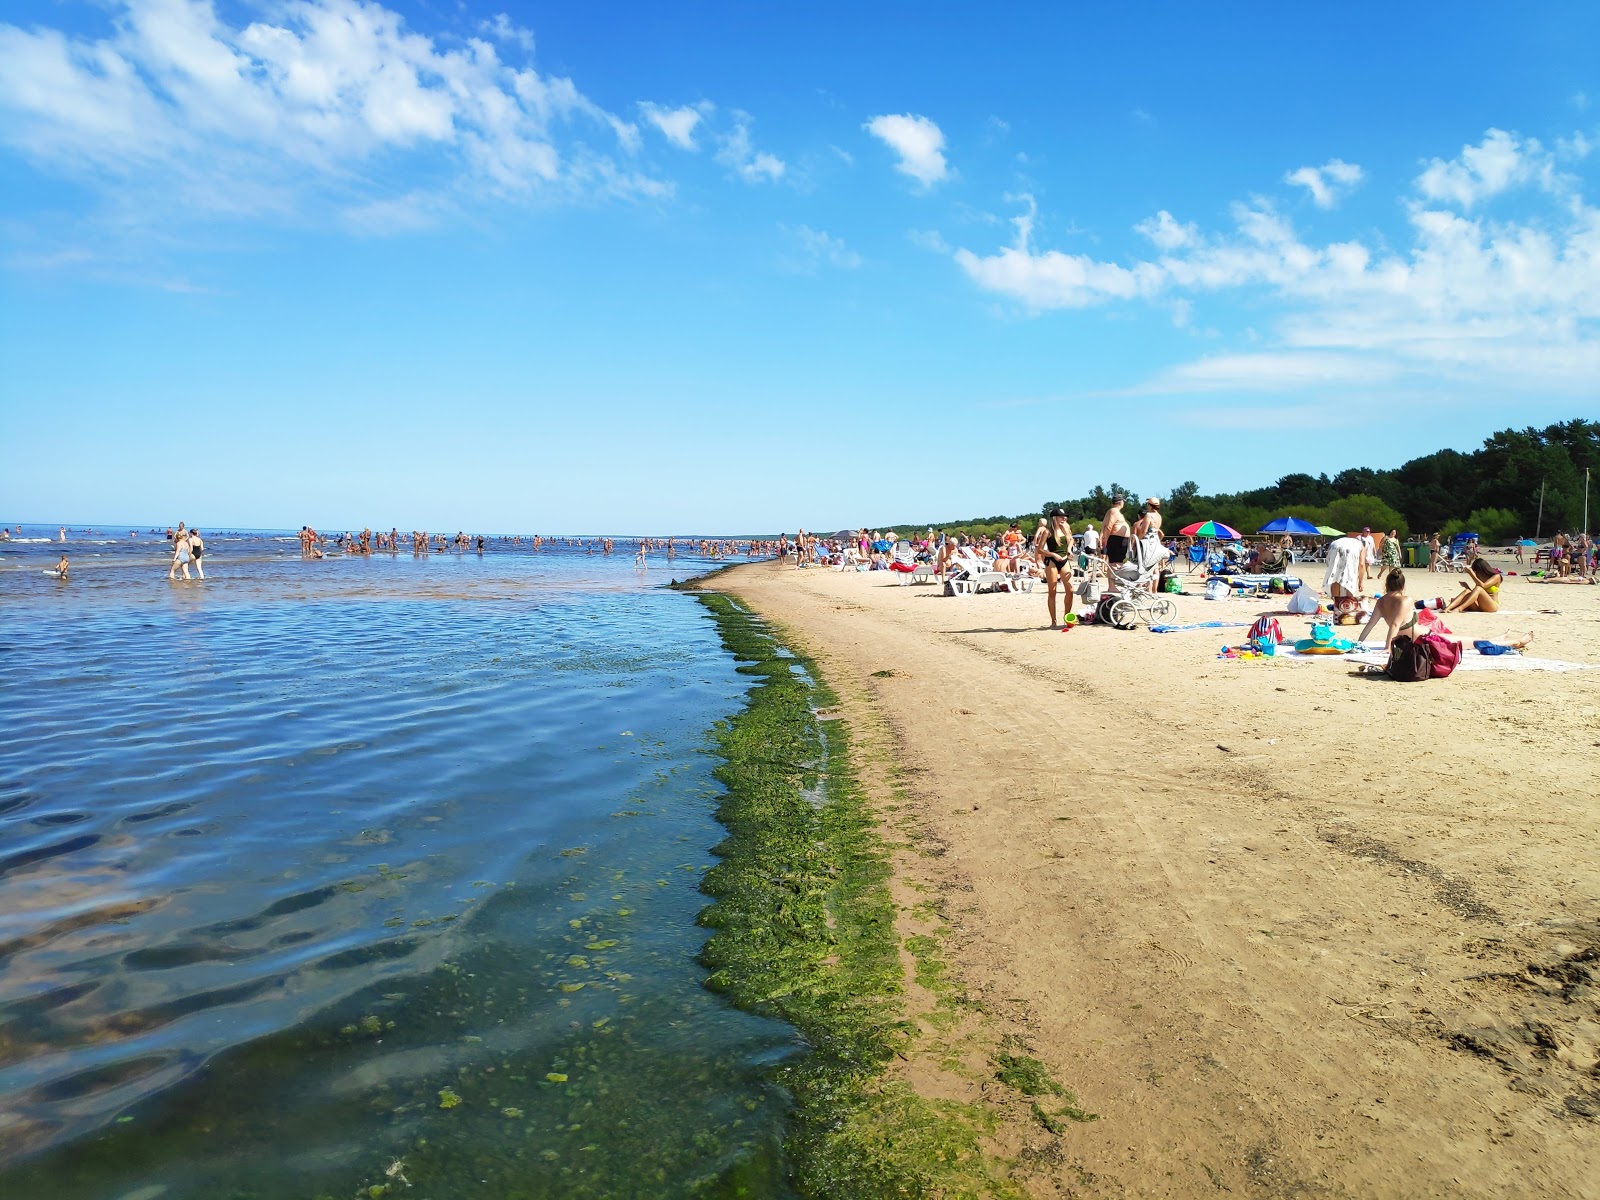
x: 1471, y: 660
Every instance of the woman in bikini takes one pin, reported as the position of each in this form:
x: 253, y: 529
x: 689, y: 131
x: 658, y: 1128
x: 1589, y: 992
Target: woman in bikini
x: 1394, y: 608
x: 1052, y: 546
x: 1481, y: 589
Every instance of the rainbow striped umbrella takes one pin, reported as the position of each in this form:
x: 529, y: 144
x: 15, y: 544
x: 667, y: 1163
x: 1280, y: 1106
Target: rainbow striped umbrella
x: 1211, y: 529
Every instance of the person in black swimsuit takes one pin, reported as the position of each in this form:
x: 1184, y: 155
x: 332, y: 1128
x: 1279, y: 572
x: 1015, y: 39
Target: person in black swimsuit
x: 1052, y: 545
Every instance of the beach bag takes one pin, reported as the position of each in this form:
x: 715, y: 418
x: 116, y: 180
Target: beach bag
x: 1304, y: 602
x: 1430, y: 656
x: 1217, y: 590
x: 1171, y: 583
x: 1266, y: 629
x: 1446, y: 655
x: 1090, y: 591
x: 1410, y: 660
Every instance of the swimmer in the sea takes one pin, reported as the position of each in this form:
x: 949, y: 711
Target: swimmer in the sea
x: 61, y: 568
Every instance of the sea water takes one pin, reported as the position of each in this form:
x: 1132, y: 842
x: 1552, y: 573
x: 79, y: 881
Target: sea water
x: 320, y: 877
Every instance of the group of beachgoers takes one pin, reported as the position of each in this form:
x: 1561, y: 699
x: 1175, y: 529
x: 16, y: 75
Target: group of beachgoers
x: 315, y: 545
x: 1090, y: 561
x: 1052, y: 552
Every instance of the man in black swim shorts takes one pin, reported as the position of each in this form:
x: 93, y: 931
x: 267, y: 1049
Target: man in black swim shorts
x: 1116, y: 533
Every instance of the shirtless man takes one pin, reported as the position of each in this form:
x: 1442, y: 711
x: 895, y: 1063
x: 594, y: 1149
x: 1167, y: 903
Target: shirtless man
x: 61, y: 568
x: 1117, y: 537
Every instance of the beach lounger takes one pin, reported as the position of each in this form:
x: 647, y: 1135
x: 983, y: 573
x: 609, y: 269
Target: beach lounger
x: 980, y: 576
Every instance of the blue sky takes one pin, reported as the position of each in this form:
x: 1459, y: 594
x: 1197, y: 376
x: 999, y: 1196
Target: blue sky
x: 744, y: 267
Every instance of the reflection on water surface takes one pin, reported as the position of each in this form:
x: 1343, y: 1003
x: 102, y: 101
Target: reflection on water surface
x: 316, y: 868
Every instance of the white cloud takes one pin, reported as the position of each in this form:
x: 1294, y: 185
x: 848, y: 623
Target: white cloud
x: 323, y: 95
x: 918, y: 142
x: 677, y: 125
x: 737, y: 153
x: 814, y: 249
x: 1327, y: 183
x: 1499, y: 162
x: 1165, y: 232
x: 504, y: 30
x: 929, y: 239
x: 1053, y: 279
x: 1460, y: 298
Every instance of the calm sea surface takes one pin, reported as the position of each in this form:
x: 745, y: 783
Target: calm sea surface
x: 316, y: 868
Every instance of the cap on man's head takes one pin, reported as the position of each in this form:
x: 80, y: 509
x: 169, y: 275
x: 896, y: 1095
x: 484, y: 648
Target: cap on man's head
x: 1056, y: 512
x: 1366, y: 529
x: 1116, y: 499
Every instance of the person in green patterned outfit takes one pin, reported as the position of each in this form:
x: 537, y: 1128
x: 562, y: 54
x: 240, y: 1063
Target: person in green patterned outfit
x: 1390, y: 553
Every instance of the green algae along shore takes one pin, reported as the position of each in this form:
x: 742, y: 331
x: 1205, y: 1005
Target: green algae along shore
x: 806, y: 929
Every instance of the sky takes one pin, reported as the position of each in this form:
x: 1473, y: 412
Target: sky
x: 744, y: 267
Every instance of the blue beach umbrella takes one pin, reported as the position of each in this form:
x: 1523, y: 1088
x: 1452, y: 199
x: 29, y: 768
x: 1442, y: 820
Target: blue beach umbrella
x: 1289, y: 525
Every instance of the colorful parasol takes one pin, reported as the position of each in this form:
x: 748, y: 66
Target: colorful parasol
x: 1211, y: 529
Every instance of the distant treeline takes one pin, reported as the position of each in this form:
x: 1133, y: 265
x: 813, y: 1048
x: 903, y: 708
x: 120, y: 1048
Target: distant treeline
x: 1493, y: 492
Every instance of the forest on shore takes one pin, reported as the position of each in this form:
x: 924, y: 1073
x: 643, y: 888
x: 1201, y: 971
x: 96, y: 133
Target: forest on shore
x: 1520, y: 483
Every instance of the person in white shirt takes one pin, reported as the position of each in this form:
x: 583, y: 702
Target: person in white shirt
x: 1369, y: 557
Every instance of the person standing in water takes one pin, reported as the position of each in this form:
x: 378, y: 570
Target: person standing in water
x: 61, y: 568
x: 180, y: 554
x: 196, y: 549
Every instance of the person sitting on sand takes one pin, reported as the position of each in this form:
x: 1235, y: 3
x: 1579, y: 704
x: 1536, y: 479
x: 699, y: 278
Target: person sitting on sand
x: 1392, y: 607
x: 1481, y: 589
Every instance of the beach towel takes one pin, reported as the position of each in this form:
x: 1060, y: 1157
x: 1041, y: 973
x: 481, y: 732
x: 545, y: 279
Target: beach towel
x: 1198, y: 625
x: 1373, y: 655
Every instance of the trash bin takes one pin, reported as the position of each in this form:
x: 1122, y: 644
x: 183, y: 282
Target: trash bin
x: 1409, y: 554
x: 1423, y: 554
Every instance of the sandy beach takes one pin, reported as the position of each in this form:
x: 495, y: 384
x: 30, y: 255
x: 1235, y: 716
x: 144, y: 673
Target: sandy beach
x: 1287, y: 929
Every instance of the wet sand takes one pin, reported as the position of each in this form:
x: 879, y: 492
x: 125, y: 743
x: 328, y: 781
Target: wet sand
x: 1286, y: 929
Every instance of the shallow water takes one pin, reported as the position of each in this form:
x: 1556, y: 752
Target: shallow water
x: 314, y: 867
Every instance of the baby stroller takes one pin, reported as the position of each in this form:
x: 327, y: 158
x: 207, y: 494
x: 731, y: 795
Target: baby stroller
x: 1130, y: 598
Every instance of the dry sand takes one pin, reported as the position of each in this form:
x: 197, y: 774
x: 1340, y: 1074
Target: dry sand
x: 1288, y: 930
